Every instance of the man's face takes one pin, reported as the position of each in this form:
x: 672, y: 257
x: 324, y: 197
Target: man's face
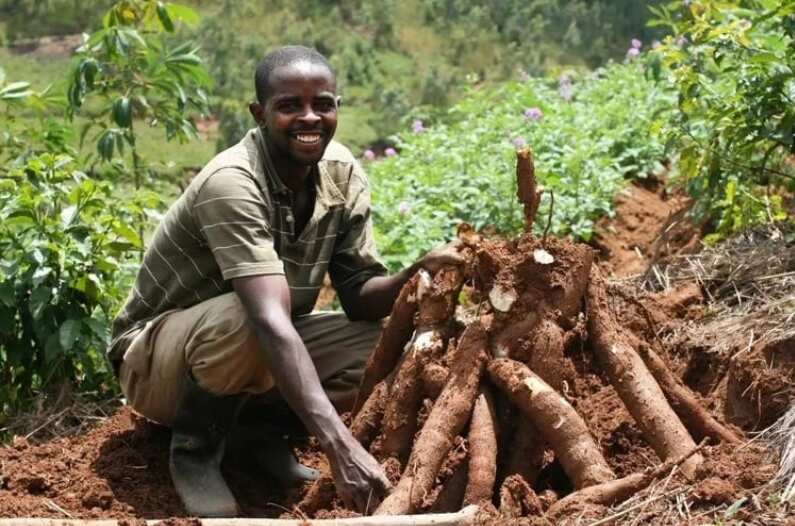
x: 300, y: 115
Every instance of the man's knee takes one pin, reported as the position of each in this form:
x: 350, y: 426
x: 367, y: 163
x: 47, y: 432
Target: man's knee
x: 224, y: 354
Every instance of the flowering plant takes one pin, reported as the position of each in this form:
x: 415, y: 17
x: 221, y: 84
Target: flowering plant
x: 463, y: 169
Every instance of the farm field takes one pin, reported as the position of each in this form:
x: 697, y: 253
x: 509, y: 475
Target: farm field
x: 615, y: 346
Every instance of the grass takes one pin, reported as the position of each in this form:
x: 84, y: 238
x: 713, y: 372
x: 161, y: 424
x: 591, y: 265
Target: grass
x: 40, y: 72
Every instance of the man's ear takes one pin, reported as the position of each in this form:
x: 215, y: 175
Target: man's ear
x: 257, y: 111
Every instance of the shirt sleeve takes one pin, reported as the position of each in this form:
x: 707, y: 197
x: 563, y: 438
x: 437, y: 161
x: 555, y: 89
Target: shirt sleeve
x: 355, y: 258
x: 232, y: 216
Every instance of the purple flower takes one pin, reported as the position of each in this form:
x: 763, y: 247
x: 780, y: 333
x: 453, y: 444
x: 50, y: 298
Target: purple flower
x: 635, y: 43
x: 632, y: 53
x: 404, y: 208
x: 681, y: 41
x: 390, y: 152
x: 417, y: 126
x: 565, y: 89
x: 519, y: 142
x: 369, y: 155
x: 533, y: 114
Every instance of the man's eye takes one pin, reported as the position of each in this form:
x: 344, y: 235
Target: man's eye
x: 289, y: 107
x: 324, y: 105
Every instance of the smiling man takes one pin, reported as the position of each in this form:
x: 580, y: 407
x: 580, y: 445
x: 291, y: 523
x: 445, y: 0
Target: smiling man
x: 218, y: 329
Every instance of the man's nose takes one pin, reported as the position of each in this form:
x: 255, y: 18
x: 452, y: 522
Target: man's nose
x: 309, y: 116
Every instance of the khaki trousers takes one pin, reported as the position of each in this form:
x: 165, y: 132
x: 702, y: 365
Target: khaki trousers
x: 214, y: 340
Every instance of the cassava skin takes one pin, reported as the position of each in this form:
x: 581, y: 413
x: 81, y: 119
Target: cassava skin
x: 482, y: 449
x: 633, y: 382
x: 452, y: 493
x: 394, y: 336
x: 434, y: 376
x: 518, y: 499
x: 446, y: 420
x: 436, y: 305
x: 696, y: 419
x: 403, y: 405
x: 618, y: 490
x: 368, y: 421
x: 556, y: 419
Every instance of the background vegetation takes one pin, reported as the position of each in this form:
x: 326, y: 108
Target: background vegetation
x: 437, y: 96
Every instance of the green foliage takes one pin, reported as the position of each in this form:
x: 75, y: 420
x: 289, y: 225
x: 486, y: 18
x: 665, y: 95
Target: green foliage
x: 26, y: 19
x: 397, y: 60
x: 136, y: 74
x: 68, y: 244
x: 586, y: 142
x: 733, y: 63
x: 535, y: 33
x: 27, y: 126
x: 63, y: 251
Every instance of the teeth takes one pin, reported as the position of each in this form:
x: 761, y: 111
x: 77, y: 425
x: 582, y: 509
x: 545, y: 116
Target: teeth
x: 306, y: 138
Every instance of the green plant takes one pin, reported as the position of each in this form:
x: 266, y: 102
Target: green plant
x: 733, y: 64
x: 28, y: 123
x: 65, y: 247
x: 589, y: 133
x: 136, y: 74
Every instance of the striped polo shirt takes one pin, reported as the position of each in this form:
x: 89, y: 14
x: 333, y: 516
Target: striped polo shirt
x: 235, y: 219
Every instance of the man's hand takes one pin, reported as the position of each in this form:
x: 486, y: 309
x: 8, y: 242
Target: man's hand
x: 359, y: 479
x: 442, y: 256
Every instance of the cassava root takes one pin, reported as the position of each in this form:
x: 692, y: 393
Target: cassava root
x: 556, y: 419
x: 636, y: 386
x: 447, y: 418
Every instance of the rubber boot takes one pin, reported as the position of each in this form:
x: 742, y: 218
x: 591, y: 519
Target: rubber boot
x: 269, y: 445
x: 198, y: 441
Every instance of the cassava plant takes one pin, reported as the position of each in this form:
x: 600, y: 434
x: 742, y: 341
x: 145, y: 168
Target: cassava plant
x: 128, y: 74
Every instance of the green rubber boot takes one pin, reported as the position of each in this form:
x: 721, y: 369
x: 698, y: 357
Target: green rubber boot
x: 198, y: 440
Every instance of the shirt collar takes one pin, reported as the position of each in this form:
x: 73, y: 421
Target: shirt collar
x: 326, y: 190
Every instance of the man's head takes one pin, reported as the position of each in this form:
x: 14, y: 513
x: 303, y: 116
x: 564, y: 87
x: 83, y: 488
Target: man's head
x: 296, y: 103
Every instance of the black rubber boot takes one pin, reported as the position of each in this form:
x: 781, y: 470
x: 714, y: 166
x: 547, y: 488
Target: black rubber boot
x: 198, y: 441
x: 263, y: 433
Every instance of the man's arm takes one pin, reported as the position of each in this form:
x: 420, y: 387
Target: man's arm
x: 373, y: 300
x: 357, y: 475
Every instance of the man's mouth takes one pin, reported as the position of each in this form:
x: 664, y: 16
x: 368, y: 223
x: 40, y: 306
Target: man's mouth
x: 308, y: 138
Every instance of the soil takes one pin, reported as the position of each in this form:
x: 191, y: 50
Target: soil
x: 119, y: 469
x: 648, y: 224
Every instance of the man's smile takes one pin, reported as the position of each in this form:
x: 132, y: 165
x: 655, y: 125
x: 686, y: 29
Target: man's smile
x: 308, y: 138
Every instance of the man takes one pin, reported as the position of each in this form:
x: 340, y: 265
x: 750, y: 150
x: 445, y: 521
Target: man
x: 220, y: 310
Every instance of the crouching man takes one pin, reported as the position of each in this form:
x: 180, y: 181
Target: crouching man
x: 219, y: 319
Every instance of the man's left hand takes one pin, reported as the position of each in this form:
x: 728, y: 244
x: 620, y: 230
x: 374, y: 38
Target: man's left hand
x: 443, y: 256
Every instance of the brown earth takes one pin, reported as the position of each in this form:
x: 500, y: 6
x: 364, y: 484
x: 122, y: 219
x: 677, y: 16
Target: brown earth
x: 119, y: 469
x: 649, y: 224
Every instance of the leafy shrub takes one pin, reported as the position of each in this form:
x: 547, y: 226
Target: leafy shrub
x: 733, y: 64
x: 65, y: 245
x: 132, y: 72
x: 588, y: 134
x: 26, y: 19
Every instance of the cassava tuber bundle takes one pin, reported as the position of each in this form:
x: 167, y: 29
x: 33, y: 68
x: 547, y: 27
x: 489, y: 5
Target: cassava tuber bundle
x: 480, y: 356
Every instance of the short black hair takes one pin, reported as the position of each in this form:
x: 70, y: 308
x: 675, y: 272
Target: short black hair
x: 282, y: 57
